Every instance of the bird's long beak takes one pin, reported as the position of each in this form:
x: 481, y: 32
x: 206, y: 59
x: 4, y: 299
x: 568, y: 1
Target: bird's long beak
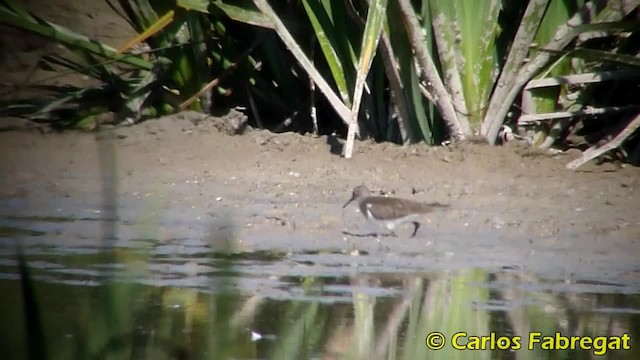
x: 349, y: 202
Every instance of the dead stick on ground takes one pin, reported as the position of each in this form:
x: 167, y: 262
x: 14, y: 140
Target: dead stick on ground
x: 594, y: 152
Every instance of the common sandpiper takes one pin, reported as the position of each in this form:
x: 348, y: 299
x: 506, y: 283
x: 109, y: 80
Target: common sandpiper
x: 389, y: 211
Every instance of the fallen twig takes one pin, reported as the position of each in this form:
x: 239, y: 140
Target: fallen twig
x: 593, y: 152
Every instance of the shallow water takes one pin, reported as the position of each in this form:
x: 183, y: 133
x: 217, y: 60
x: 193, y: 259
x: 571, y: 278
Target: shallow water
x: 180, y: 284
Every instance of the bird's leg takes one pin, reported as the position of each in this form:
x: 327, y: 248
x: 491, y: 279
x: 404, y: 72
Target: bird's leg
x: 416, y: 226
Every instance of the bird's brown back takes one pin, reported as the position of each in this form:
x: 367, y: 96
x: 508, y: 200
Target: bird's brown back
x: 386, y: 208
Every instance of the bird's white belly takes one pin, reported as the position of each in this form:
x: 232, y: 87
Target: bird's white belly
x: 389, y: 224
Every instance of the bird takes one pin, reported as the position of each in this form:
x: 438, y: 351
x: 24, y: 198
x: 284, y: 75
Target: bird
x: 390, y: 212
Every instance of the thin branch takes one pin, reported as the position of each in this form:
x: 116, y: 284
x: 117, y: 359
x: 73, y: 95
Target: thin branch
x: 343, y: 111
x: 450, y: 70
x: 534, y: 118
x: 593, y: 152
x: 500, y: 100
x: 393, y: 75
x: 506, y: 91
x: 433, y: 81
x: 395, y: 84
x: 370, y: 41
x: 225, y: 73
x: 585, y: 78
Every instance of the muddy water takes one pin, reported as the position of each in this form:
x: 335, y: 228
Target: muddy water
x: 183, y: 283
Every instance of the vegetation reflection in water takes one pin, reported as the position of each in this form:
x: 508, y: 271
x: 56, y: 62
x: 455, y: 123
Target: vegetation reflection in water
x: 121, y: 318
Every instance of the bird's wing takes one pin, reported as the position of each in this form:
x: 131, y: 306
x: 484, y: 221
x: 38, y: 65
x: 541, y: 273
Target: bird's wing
x: 385, y: 208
